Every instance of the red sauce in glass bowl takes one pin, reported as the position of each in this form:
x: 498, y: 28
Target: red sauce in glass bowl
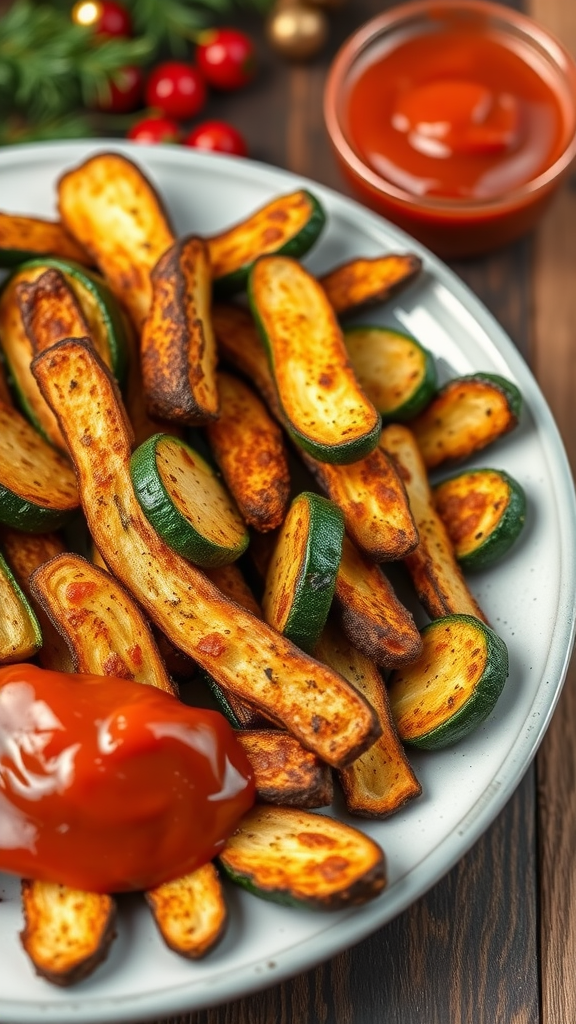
x: 456, y: 119
x: 456, y: 113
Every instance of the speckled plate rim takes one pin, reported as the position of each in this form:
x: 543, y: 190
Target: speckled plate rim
x: 357, y: 924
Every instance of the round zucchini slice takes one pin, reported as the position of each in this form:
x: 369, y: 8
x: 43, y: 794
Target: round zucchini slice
x: 453, y: 686
x: 99, y: 306
x: 185, y: 502
x: 289, y: 226
x: 484, y: 511
x: 397, y: 374
x: 302, y: 572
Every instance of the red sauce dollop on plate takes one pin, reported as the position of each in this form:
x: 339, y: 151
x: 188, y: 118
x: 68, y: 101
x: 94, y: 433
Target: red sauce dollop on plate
x: 109, y: 785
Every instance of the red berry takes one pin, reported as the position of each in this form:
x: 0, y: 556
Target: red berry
x: 151, y: 130
x: 226, y: 57
x: 217, y: 136
x: 177, y: 89
x: 125, y: 92
x: 114, y: 20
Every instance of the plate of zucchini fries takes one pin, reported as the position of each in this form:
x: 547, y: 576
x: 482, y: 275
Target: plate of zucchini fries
x: 260, y: 449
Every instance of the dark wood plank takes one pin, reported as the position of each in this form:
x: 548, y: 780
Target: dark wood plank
x: 554, y: 300
x: 466, y: 953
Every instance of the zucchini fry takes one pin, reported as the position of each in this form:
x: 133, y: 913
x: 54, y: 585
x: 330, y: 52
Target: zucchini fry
x: 241, y: 652
x: 105, y: 631
x: 302, y: 572
x: 22, y: 238
x: 325, y: 411
x: 231, y: 582
x: 239, y: 344
x: 369, y: 493
x: 436, y: 575
x: 178, y: 348
x: 38, y: 489
x: 467, y: 414
x: 249, y: 449
x: 364, y: 282
x: 484, y: 511
x: 396, y: 372
x: 18, y: 353
x: 190, y: 912
x: 25, y: 552
x: 381, y: 780
x: 372, y: 617
x: 20, y: 634
x: 288, y: 225
x: 302, y: 859
x: 67, y: 932
x: 50, y: 310
x: 285, y: 773
x: 113, y: 211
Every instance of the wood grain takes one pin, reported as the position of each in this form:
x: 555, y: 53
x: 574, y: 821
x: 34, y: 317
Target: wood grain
x: 554, y: 339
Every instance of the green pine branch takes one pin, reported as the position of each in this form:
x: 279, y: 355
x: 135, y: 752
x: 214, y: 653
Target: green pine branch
x: 173, y: 23
x: 49, y: 66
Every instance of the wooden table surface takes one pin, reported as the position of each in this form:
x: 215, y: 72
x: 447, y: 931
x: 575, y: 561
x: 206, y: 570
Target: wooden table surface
x: 495, y: 941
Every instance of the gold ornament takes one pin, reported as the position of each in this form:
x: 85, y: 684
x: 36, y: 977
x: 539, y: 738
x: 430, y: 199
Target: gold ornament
x: 86, y: 12
x: 297, y: 32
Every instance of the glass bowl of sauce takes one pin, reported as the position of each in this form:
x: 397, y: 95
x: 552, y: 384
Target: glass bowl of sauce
x: 456, y: 120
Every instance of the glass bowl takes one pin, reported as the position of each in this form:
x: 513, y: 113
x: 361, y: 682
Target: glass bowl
x: 454, y: 227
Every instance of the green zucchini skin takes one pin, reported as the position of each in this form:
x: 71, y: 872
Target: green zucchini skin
x: 483, y: 699
x: 316, y: 582
x: 426, y: 388
x: 298, y: 245
x: 493, y: 547
x: 6, y: 571
x: 28, y: 517
x: 106, y: 302
x: 512, y: 393
x: 166, y: 519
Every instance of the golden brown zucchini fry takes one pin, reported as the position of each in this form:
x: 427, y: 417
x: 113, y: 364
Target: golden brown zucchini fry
x: 249, y: 449
x: 372, y: 497
x: 369, y: 493
x: 50, y: 311
x: 239, y: 344
x: 302, y: 859
x: 229, y: 579
x: 24, y: 237
x: 67, y: 932
x: 466, y: 415
x: 178, y: 348
x: 190, y: 912
x: 18, y: 353
x: 364, y: 282
x: 381, y: 780
x: 285, y: 773
x: 105, y: 630
x: 38, y: 489
x: 25, y: 552
x: 237, y: 649
x: 372, y: 617
x: 435, y: 572
x: 20, y: 634
x: 113, y: 211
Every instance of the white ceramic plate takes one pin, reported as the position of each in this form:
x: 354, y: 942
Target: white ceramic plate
x: 529, y: 599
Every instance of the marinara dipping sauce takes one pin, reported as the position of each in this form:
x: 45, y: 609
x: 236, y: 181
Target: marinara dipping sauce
x: 108, y: 785
x: 454, y: 119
